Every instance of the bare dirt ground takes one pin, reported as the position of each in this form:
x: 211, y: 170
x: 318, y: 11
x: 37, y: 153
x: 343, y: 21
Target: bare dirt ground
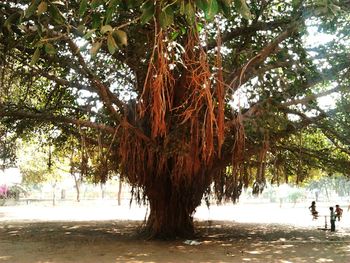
x: 104, y: 232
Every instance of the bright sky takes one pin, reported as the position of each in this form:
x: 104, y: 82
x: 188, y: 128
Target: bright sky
x: 10, y: 176
x: 317, y: 39
x: 314, y: 39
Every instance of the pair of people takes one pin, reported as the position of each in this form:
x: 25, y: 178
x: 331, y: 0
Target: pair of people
x: 334, y: 215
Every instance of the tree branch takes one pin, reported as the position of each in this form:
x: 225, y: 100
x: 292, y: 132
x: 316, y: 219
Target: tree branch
x: 105, y: 94
x: 311, y: 97
x: 239, y: 76
x: 56, y: 119
x: 248, y: 30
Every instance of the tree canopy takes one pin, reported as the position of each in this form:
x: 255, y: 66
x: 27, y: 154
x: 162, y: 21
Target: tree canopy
x: 184, y: 99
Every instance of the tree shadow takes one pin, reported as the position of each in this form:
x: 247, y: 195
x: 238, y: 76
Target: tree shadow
x: 218, y: 241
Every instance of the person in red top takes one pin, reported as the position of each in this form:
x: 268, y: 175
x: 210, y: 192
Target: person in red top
x: 338, y: 212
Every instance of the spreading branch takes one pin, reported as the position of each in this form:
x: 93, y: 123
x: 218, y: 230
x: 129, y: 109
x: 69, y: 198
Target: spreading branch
x: 239, y: 77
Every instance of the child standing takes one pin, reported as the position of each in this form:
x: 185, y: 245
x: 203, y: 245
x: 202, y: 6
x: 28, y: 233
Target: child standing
x: 332, y: 217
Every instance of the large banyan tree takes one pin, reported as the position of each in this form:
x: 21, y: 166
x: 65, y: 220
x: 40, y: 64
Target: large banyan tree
x: 184, y: 99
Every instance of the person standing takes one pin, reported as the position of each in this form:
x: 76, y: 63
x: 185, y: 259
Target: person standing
x: 332, y: 217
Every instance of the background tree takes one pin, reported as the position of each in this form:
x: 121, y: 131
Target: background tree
x: 39, y: 165
x: 183, y: 98
x: 7, y: 148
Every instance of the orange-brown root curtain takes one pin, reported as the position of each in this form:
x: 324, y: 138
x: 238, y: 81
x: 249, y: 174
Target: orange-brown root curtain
x: 182, y: 110
x: 183, y: 97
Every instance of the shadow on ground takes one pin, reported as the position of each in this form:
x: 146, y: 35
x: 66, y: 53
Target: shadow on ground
x: 218, y: 241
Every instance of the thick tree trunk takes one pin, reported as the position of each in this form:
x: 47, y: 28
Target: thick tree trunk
x: 171, y: 210
x: 167, y: 223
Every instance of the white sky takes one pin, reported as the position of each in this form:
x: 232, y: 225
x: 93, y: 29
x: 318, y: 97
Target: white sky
x: 10, y: 176
x: 316, y: 39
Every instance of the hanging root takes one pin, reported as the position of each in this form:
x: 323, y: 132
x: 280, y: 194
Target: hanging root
x: 260, y: 181
x: 220, y: 93
x: 157, y: 94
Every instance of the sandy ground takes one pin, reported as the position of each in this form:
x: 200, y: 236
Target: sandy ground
x: 104, y: 232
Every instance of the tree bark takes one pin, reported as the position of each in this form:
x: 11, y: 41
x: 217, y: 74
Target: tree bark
x: 120, y: 192
x: 166, y: 222
x: 171, y: 210
x: 78, y: 193
x: 102, y: 186
x: 54, y: 193
x: 77, y: 182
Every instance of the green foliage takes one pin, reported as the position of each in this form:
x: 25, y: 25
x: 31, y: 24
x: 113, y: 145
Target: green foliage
x: 82, y: 7
x: 56, y: 14
x: 166, y: 17
x: 148, y: 9
x: 32, y: 8
x: 296, y: 195
x: 243, y: 8
x: 50, y: 49
x: 8, y: 148
x: 35, y: 57
x: 112, y: 45
x: 327, y: 184
x: 35, y: 165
